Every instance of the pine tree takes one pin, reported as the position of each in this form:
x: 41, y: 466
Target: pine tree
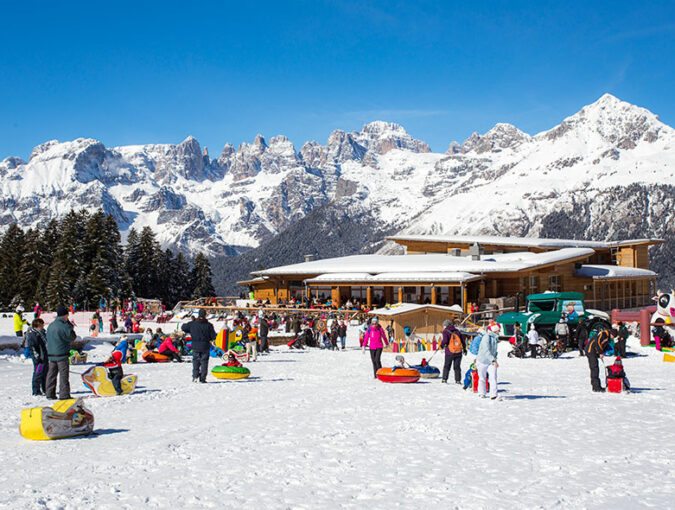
x: 31, y: 267
x: 143, y: 262
x: 11, y: 256
x: 181, y: 289
x: 66, y: 272
x: 48, y: 241
x: 201, y: 278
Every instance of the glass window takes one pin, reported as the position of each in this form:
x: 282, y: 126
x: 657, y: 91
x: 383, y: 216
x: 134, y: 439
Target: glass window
x: 545, y: 305
x: 555, y: 283
x: 534, y: 284
x: 578, y: 306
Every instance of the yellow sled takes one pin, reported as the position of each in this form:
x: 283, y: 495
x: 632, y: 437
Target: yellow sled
x: 66, y: 418
x: 97, y: 380
x: 668, y: 358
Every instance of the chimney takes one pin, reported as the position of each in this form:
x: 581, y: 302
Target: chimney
x: 309, y: 258
x: 455, y: 252
x: 475, y: 251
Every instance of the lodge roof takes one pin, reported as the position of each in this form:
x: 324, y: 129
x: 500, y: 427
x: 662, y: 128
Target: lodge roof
x: 440, y: 263
x: 522, y: 242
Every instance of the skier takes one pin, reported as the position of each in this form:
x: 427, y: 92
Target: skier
x: 60, y: 335
x: 533, y: 340
x: 37, y: 311
x: 376, y: 339
x: 203, y: 335
x: 455, y: 346
x: 36, y: 341
x: 596, y: 350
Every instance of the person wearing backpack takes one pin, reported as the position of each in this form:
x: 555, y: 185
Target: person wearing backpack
x: 455, y: 346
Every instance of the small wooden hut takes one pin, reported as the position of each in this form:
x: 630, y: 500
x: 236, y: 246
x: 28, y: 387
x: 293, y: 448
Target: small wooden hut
x: 424, y: 321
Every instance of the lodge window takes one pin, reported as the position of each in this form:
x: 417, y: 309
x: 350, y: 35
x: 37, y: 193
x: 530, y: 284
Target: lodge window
x: 555, y: 283
x: 534, y: 284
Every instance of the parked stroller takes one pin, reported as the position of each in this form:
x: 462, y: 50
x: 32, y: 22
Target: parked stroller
x: 521, y: 348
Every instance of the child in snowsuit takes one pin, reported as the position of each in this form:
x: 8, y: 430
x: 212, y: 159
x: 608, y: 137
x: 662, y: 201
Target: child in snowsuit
x: 36, y: 342
x: 232, y: 360
x: 616, y: 371
x: 115, y: 371
x: 468, y: 377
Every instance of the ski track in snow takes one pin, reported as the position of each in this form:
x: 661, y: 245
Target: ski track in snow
x: 313, y: 429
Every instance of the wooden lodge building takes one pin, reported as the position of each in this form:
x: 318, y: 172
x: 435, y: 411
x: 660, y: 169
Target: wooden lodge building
x: 457, y: 270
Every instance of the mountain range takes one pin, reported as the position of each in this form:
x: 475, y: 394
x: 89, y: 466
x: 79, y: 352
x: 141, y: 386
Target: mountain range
x: 606, y: 172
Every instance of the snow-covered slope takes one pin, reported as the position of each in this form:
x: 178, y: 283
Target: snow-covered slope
x: 602, y: 172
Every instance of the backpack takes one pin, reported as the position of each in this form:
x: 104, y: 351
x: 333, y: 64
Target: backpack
x: 475, y: 345
x: 455, y: 344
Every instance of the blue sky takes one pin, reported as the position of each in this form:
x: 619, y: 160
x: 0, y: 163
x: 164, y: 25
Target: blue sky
x: 155, y: 72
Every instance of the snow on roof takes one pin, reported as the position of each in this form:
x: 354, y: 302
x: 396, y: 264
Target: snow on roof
x: 428, y: 263
x: 396, y: 277
x: 529, y: 242
x: 599, y: 272
x: 411, y: 307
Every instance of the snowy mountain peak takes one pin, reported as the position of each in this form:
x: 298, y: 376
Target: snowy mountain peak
x: 501, y: 136
x: 610, y: 121
x: 380, y: 137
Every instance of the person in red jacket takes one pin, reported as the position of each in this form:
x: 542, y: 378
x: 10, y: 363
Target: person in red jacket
x: 232, y: 360
x: 167, y: 348
x: 115, y: 371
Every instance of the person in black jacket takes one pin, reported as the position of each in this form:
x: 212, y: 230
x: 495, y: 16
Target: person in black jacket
x: 203, y: 335
x: 582, y: 338
x: 596, y: 350
x: 263, y: 331
x: 36, y: 341
x: 342, y: 333
x: 620, y: 342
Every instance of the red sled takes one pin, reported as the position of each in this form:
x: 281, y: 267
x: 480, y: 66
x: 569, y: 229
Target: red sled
x: 614, y: 385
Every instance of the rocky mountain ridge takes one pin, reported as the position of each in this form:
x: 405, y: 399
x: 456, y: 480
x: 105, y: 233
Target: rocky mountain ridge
x: 504, y: 182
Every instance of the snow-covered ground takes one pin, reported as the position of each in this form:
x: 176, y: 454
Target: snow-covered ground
x: 313, y: 429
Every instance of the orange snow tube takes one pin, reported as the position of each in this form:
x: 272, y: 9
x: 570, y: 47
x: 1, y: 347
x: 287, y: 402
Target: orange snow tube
x: 398, y: 375
x: 154, y: 357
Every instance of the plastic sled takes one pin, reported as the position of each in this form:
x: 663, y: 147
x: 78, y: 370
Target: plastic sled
x: 154, y: 357
x: 76, y: 358
x: 66, y: 418
x: 97, y: 380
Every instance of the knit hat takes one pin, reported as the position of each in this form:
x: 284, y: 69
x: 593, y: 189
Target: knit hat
x: 61, y: 311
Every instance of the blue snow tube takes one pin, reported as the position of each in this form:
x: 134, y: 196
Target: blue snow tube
x: 407, y: 331
x: 427, y: 371
x: 215, y: 352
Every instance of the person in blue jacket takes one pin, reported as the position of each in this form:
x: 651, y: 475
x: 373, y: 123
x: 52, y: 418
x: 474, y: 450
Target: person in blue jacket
x: 486, y: 364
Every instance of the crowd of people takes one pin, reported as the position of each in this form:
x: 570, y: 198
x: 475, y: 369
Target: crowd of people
x: 49, y: 348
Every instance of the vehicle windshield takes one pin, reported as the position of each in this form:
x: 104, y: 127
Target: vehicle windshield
x: 578, y: 306
x: 544, y: 305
